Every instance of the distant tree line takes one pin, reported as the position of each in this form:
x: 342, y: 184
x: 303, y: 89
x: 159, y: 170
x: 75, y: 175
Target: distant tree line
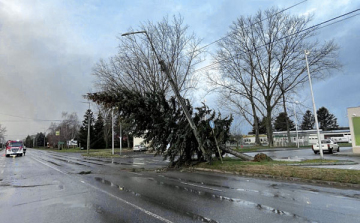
x: 327, y: 121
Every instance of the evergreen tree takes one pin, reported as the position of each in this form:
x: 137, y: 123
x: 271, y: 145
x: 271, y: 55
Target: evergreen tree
x: 28, y: 142
x: 327, y: 121
x: 98, y: 141
x: 162, y: 123
x: 84, y: 129
x: 308, y: 121
x: 262, y: 126
x: 280, y: 122
x: 40, y: 139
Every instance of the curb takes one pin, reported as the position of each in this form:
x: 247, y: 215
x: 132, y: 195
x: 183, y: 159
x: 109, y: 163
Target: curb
x: 290, y: 179
x: 321, y: 164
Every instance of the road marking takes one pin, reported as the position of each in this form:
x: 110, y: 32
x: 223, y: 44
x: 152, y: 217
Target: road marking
x: 201, y: 186
x: 50, y: 166
x: 130, y: 204
x: 136, y: 173
x: 113, y: 196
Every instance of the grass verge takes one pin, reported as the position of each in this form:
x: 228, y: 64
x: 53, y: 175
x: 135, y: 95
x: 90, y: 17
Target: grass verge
x: 278, y: 169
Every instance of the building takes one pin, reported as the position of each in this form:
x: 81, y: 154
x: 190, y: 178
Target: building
x: 302, y: 137
x: 250, y: 139
x: 354, y: 124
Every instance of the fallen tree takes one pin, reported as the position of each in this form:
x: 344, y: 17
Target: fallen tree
x: 163, y: 124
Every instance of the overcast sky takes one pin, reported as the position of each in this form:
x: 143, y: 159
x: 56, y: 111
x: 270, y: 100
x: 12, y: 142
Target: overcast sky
x: 48, y: 49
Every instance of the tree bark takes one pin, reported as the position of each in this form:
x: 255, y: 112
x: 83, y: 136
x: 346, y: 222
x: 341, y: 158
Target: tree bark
x: 236, y: 154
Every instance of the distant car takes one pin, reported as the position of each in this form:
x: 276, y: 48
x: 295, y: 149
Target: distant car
x: 326, y: 145
x: 139, y: 148
x: 14, y: 148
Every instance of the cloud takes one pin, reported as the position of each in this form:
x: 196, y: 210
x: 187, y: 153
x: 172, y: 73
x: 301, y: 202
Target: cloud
x: 48, y: 49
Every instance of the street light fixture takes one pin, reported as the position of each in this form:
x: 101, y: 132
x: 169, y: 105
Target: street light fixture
x: 174, y: 88
x: 314, y: 107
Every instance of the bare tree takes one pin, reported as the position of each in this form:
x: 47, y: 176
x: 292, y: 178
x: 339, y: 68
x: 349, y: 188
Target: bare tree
x: 2, y: 133
x: 68, y: 128
x: 262, y: 59
x: 106, y: 114
x: 135, y: 66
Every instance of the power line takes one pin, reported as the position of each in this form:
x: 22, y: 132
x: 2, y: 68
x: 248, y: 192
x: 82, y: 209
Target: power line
x: 252, y: 24
x: 210, y: 66
x: 34, y: 119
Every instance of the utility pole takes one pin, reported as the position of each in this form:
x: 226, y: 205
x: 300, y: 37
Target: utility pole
x: 175, y: 89
x: 120, y: 139
x: 88, y: 136
x: 44, y: 138
x: 112, y: 131
x: 296, y: 126
x: 314, y: 107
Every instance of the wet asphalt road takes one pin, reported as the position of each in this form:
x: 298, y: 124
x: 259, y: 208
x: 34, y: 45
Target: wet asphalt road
x: 63, y: 187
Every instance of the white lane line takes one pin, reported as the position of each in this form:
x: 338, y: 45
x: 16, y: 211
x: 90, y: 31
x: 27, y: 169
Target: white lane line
x: 50, y: 166
x: 128, y: 203
x: 136, y: 173
x: 201, y: 186
x: 113, y: 196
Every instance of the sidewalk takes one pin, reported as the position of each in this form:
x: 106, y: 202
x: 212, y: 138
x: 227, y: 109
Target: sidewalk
x: 347, y: 153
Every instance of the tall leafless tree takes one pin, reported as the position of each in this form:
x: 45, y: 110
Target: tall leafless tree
x: 2, y: 133
x: 267, y: 50
x: 68, y: 127
x: 136, y: 67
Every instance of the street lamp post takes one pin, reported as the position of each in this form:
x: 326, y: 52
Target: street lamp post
x: 112, y: 132
x: 314, y: 107
x: 165, y: 69
x: 296, y: 125
x: 120, y: 136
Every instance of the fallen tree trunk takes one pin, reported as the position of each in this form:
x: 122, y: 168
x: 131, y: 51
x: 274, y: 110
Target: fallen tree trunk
x: 236, y: 154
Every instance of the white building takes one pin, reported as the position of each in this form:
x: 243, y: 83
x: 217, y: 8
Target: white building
x: 354, y: 124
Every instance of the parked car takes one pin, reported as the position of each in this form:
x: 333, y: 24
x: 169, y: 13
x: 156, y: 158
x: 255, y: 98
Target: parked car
x: 139, y: 148
x: 14, y: 148
x: 326, y: 145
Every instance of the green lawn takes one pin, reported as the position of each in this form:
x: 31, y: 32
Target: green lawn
x: 280, y: 169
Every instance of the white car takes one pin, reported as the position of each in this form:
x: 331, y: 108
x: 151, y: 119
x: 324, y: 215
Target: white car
x: 326, y: 145
x: 139, y: 148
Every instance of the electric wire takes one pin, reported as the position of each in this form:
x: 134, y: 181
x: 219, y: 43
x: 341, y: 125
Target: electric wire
x: 210, y: 66
x: 252, y: 24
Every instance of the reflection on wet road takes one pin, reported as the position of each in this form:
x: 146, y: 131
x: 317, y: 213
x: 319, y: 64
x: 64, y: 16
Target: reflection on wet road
x: 53, y: 187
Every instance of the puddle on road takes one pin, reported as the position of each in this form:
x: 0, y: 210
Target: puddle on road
x: 176, y: 210
x: 56, y: 164
x: 85, y: 172
x: 196, y: 182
